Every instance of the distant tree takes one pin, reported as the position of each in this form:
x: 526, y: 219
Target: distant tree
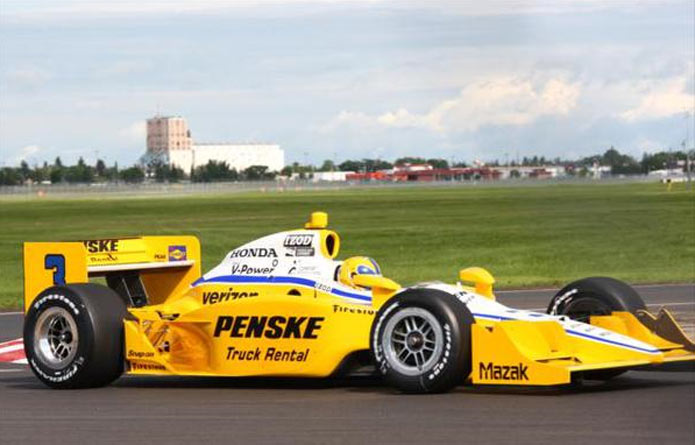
x: 438, y: 163
x: 132, y: 175
x: 410, y: 160
x: 514, y: 174
x: 56, y: 175
x: 58, y: 162
x: 10, y: 176
x: 373, y: 165
x: 42, y: 173
x: 111, y: 173
x: 327, y: 166
x: 167, y: 173
x: 80, y: 173
x: 100, y: 168
x: 214, y: 171
x: 257, y: 172
x: 286, y: 171
x: 24, y: 170
x: 661, y: 160
x: 351, y: 166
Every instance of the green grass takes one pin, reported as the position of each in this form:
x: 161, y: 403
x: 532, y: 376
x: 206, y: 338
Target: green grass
x: 526, y: 236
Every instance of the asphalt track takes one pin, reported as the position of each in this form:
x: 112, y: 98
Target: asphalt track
x: 638, y: 407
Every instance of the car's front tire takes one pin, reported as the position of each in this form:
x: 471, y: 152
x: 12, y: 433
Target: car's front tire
x: 73, y: 336
x: 593, y: 296
x: 421, y: 341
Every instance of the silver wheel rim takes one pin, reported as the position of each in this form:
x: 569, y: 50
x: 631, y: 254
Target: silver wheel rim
x: 412, y: 341
x: 56, y: 337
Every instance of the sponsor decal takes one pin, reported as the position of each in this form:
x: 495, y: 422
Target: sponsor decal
x: 269, y: 354
x: 146, y: 367
x: 177, y: 253
x: 490, y: 371
x: 101, y: 245
x: 323, y: 287
x: 302, y: 269
x: 245, y: 269
x: 104, y: 258
x: 160, y: 257
x: 464, y: 297
x: 300, y: 251
x: 561, y: 300
x: 59, y: 376
x: 254, y: 252
x: 339, y: 308
x: 230, y: 295
x: 139, y: 354
x: 298, y: 240
x: 57, y: 297
x: 271, y: 327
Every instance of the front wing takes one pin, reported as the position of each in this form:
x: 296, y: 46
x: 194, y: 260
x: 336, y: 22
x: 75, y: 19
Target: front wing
x: 515, y: 352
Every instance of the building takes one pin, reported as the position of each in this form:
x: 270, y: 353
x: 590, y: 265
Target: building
x: 331, y: 176
x: 238, y: 156
x: 166, y: 134
x: 169, y: 138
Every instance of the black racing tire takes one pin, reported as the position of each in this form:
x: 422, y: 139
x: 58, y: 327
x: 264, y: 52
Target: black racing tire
x: 92, y: 355
x: 603, y: 294
x: 596, y: 296
x: 446, y: 365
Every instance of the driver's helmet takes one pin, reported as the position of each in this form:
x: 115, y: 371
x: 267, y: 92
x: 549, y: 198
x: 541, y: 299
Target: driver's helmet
x: 357, y: 265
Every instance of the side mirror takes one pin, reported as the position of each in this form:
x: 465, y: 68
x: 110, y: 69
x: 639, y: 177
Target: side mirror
x: 382, y: 288
x: 481, y: 278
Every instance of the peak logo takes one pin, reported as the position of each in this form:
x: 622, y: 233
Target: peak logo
x: 254, y: 252
x: 298, y: 240
x: 490, y: 371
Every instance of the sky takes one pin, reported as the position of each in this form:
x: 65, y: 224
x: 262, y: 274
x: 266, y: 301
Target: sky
x: 331, y: 79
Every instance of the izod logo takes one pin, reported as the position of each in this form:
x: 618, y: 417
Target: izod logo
x: 298, y: 240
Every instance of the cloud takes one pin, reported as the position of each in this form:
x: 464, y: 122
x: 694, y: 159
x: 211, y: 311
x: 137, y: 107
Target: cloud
x: 501, y: 101
x: 27, y: 152
x: 75, y: 9
x: 134, y: 132
x: 27, y: 79
x: 665, y: 99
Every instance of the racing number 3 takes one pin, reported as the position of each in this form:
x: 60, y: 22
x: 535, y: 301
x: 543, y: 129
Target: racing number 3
x: 56, y: 263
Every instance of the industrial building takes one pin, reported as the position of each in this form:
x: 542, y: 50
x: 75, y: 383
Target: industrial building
x: 169, y: 138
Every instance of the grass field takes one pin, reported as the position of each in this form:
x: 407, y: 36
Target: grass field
x: 526, y: 236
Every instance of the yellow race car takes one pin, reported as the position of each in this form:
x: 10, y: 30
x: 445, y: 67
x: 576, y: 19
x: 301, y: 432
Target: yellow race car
x: 283, y: 305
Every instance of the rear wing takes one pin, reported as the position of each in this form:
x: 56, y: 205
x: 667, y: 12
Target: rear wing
x: 145, y: 270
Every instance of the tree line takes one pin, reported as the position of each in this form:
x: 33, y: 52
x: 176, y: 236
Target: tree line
x: 82, y: 173
x: 158, y: 171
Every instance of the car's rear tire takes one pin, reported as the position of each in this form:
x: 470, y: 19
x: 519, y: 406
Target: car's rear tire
x: 73, y: 336
x: 421, y: 341
x: 583, y: 298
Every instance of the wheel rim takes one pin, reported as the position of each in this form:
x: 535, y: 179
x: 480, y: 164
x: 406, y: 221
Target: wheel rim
x: 412, y: 341
x: 582, y: 309
x: 56, y: 337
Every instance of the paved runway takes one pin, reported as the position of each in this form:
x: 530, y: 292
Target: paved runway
x: 638, y: 407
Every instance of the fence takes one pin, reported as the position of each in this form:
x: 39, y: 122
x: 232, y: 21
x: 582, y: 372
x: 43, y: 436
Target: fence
x: 184, y: 188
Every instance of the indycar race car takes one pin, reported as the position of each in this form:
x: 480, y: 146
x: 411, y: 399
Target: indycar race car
x: 283, y: 306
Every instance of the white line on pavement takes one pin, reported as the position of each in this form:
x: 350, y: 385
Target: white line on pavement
x: 10, y: 313
x: 685, y: 303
